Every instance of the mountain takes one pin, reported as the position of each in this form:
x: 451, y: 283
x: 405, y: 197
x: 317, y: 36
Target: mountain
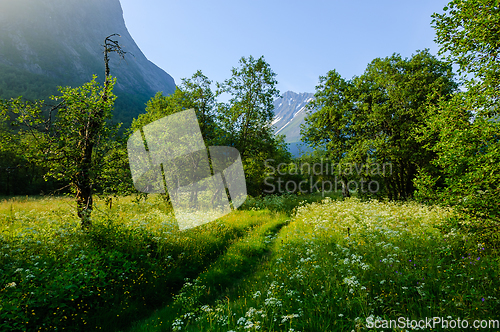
x: 50, y: 43
x: 289, y: 114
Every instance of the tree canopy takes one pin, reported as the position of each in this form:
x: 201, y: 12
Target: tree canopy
x: 248, y: 114
x: 464, y: 132
x: 247, y: 118
x: 373, y: 118
x: 193, y: 93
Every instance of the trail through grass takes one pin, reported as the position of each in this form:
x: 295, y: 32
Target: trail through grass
x: 346, y: 266
x: 328, y: 266
x: 53, y: 275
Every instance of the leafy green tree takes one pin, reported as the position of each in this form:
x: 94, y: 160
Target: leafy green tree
x: 114, y: 177
x: 247, y: 117
x: 464, y: 132
x: 468, y: 33
x: 244, y: 122
x: 201, y: 98
x: 70, y: 139
x: 371, y: 120
x: 82, y: 127
x: 330, y: 127
x: 466, y: 170
x: 193, y: 93
x: 16, y: 172
x: 22, y: 138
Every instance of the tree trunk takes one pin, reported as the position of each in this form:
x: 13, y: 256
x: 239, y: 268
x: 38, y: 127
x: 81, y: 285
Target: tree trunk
x: 84, y: 187
x: 345, y: 188
x: 88, y: 137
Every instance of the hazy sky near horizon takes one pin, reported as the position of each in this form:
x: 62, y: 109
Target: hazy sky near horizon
x: 300, y: 40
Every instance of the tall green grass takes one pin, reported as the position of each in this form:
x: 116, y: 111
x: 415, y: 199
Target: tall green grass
x: 55, y: 276
x: 285, y: 203
x: 327, y: 266
x: 242, y: 258
x: 341, y: 266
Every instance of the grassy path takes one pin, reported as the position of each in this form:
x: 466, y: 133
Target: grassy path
x: 332, y: 266
x: 349, y: 266
x: 221, y: 278
x: 53, y: 275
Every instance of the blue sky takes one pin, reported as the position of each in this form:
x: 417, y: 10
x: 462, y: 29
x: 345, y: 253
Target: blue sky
x: 300, y: 40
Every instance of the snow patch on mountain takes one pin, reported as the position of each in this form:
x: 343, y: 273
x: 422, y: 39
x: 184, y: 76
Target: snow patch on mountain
x: 277, y: 119
x: 290, y: 113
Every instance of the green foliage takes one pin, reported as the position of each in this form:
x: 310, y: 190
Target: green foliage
x: 339, y: 265
x: 372, y: 119
x: 39, y: 144
x: 464, y: 132
x: 17, y: 174
x: 247, y: 118
x: 286, y: 203
x: 193, y: 93
x: 114, y: 176
x: 71, y: 142
x: 466, y: 170
x: 467, y: 32
x: 249, y: 112
x: 157, y: 107
x: 81, y: 121
x: 334, y: 266
x: 328, y: 127
x: 244, y: 122
x: 55, y: 276
x: 21, y: 171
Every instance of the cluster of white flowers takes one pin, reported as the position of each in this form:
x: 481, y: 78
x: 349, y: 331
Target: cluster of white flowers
x: 420, y: 289
x: 354, y: 260
x: 336, y: 241
x: 269, y: 239
x: 289, y: 317
x: 353, y: 283
x: 390, y: 259
x: 206, y: 308
x: 272, y: 302
x: 177, y: 325
x: 254, y: 312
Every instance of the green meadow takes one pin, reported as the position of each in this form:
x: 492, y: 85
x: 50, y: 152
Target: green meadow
x: 279, y: 264
x: 408, y: 241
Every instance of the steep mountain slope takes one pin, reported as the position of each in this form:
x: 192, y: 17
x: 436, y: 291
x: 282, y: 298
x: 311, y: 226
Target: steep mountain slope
x: 46, y: 43
x: 289, y: 114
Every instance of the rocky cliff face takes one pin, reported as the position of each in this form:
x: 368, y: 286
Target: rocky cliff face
x: 289, y: 114
x: 45, y: 43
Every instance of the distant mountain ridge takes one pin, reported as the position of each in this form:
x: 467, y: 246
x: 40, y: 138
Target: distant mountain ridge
x: 289, y: 114
x: 45, y: 43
